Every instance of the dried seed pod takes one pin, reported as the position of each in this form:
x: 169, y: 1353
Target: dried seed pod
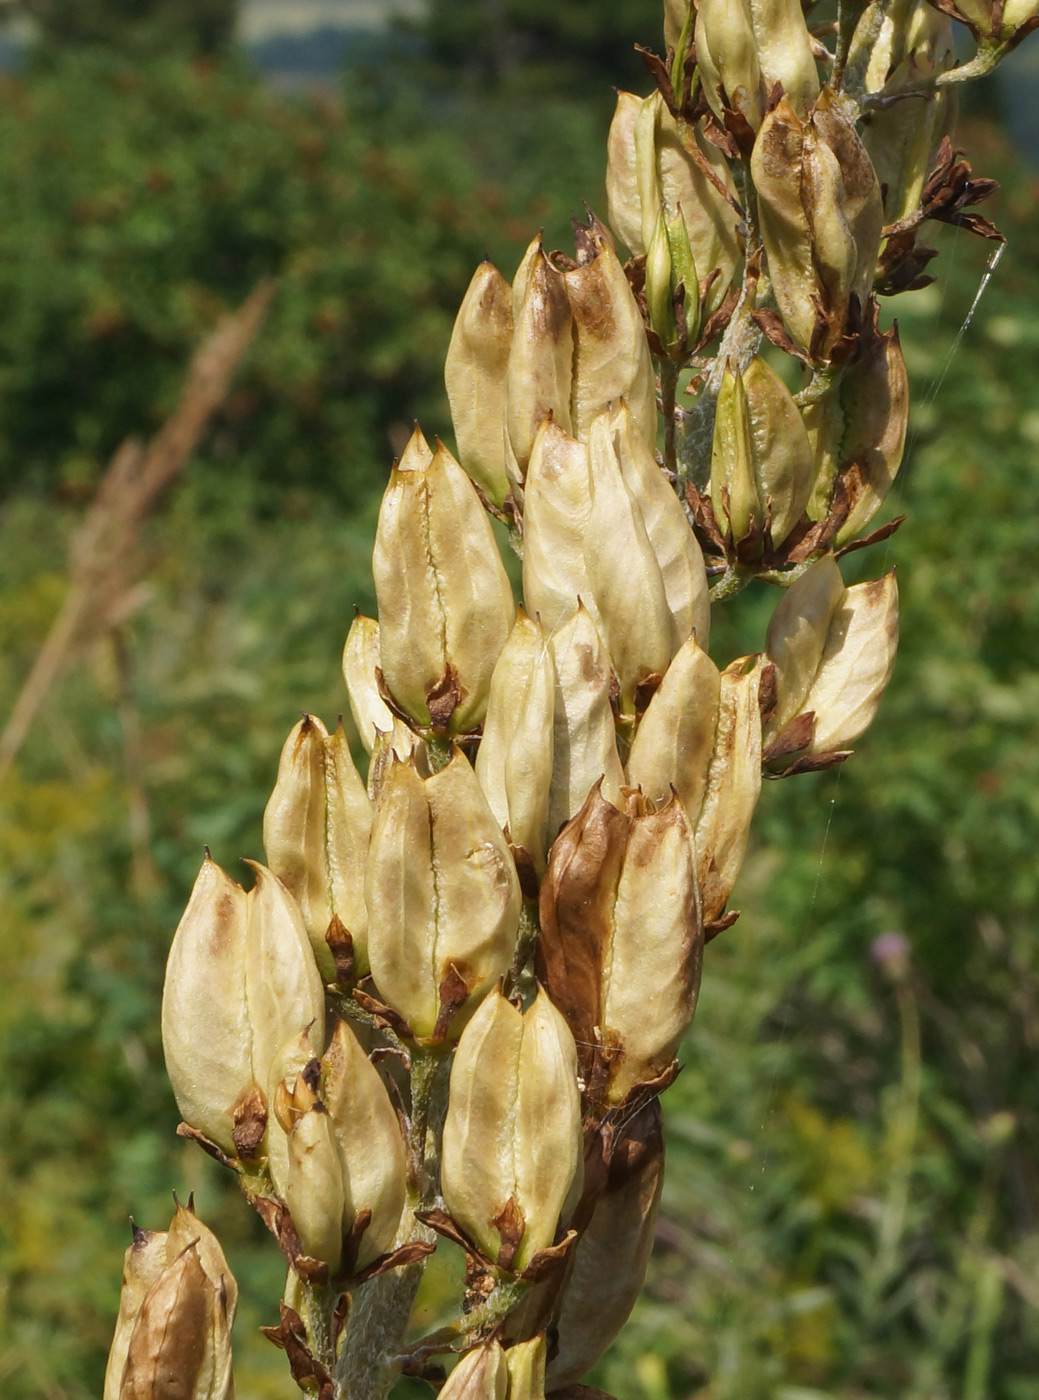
x: 797, y: 634
x: 474, y: 373
x: 315, y: 831
x: 623, y: 571
x: 526, y: 1363
x: 611, y: 354
x: 733, y: 785
x: 858, y: 433
x: 612, y: 1253
x: 821, y: 218
x: 381, y: 731
x: 584, y: 738
x: 514, y: 764
x: 442, y: 894
x: 784, y: 49
x: 727, y: 57
x: 445, y: 603
x: 556, y: 509
x: 482, y: 1374
x: 540, y: 370
x: 672, y: 541
x: 240, y: 981
x: 675, y: 738
x: 761, y: 458
x: 621, y: 936
x: 856, y: 664
x: 512, y: 1134
x: 178, y: 1345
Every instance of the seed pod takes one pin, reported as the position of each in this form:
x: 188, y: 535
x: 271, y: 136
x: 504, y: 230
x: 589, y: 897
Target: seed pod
x: 143, y: 1263
x: 482, y: 1374
x: 621, y: 937
x: 675, y: 738
x: 514, y: 764
x: 658, y: 171
x: 857, y: 430
x: 167, y: 1351
x: 727, y: 57
x: 1020, y: 17
x: 733, y: 786
x: 445, y: 603
x: 856, y: 664
x: 474, y: 373
x: 526, y: 1363
x: 379, y: 728
x: 442, y: 894
x: 315, y: 831
x: 797, y: 635
x: 672, y: 541
x: 556, y: 508
x: 512, y: 1134
x: 240, y: 982
x: 761, y: 458
x: 584, y: 739
x: 611, y: 354
x: 784, y: 49
x: 540, y: 370
x: 624, y: 572
x: 821, y: 217
x: 612, y: 1254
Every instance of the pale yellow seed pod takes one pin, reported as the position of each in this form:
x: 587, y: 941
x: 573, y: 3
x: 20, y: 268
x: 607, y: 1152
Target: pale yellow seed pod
x: 623, y: 571
x: 482, y: 1374
x: 512, y: 1133
x: 675, y: 739
x: 761, y: 455
x: 1016, y: 15
x: 674, y: 545
x: 186, y: 1229
x: 515, y: 761
x: 861, y: 208
x: 727, y: 56
x: 733, y: 786
x: 167, y: 1350
x: 442, y: 893
x: 369, y: 1140
x: 623, y: 196
x: 540, y: 370
x: 206, y: 1026
x: 381, y: 731
x: 556, y: 507
x: 775, y: 165
x: 676, y: 13
x: 315, y: 831
x: 445, y: 603
x: 652, y: 974
x: 856, y: 664
x: 797, y: 634
x: 784, y: 49
x: 283, y: 1083
x: 314, y: 1191
x: 143, y: 1263
x: 583, y: 733
x: 611, y: 356
x: 526, y: 1364
x: 474, y: 373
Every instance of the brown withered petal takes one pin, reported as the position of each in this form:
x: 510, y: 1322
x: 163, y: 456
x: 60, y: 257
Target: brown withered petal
x: 474, y: 374
x: 733, y: 786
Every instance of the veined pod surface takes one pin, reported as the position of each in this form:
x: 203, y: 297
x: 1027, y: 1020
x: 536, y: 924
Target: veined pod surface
x: 445, y: 603
x: 660, y: 170
x: 584, y: 737
x: 761, y: 458
x: 512, y: 1134
x: 540, y: 370
x: 474, y: 375
x: 733, y: 785
x: 612, y: 1254
x: 240, y: 981
x: 675, y: 739
x: 611, y: 354
x: 315, y: 831
x: 442, y: 894
x: 784, y: 49
x: 345, y: 1155
x: 482, y: 1374
x: 514, y: 764
x: 727, y: 57
x: 556, y: 509
x: 624, y: 572
x: 621, y: 935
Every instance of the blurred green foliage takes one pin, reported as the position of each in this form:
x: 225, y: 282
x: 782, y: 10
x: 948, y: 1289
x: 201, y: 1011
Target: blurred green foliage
x: 194, y: 26
x: 852, y: 1199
